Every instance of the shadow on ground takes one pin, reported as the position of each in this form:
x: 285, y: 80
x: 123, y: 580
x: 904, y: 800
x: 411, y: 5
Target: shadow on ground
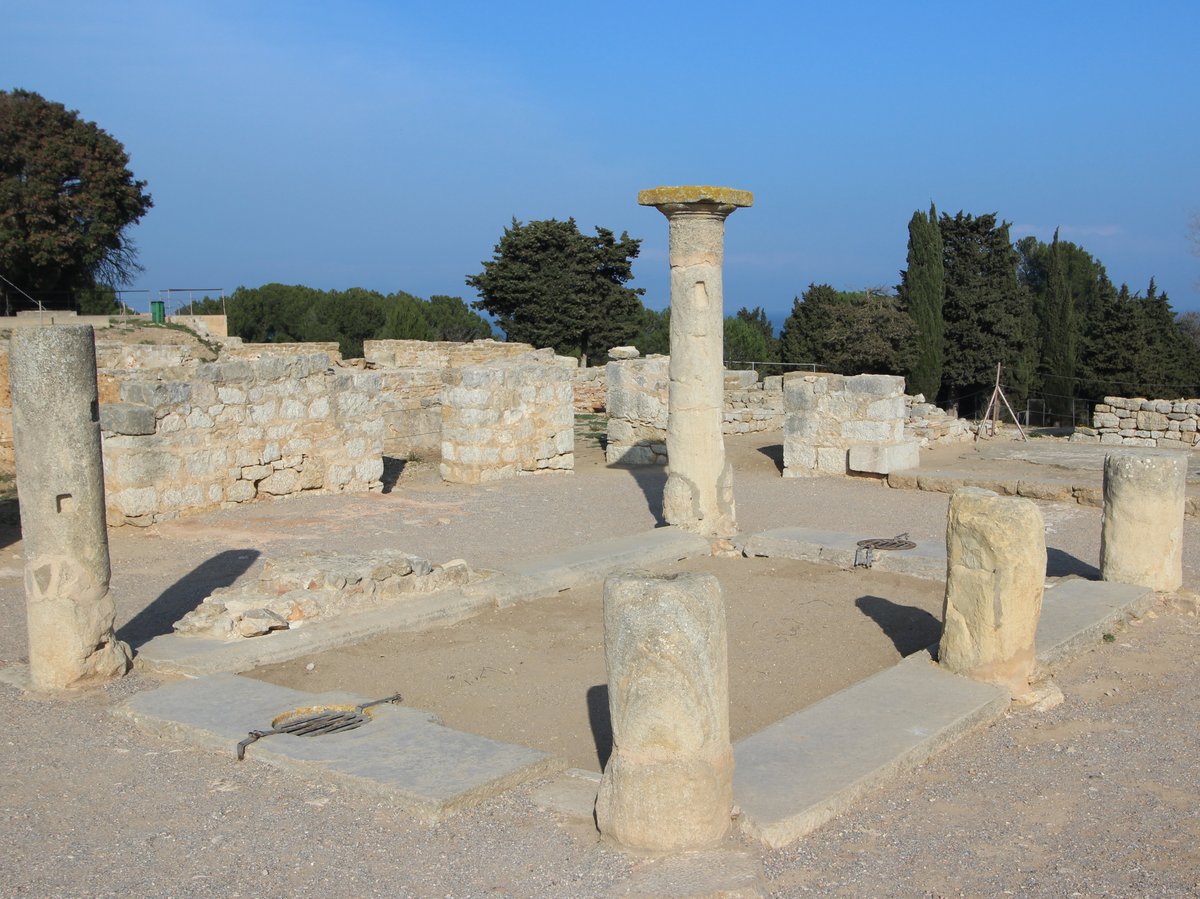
x: 910, y: 629
x: 185, y: 594
x: 1061, y: 564
x: 651, y: 480
x: 774, y: 452
x: 601, y: 724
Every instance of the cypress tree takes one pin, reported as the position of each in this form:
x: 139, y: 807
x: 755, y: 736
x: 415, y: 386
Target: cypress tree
x: 987, y: 312
x: 922, y: 292
x: 1059, y: 332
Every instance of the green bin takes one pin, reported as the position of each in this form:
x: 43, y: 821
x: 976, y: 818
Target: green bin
x: 158, y: 312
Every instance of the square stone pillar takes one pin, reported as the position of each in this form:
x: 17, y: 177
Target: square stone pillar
x: 699, y: 492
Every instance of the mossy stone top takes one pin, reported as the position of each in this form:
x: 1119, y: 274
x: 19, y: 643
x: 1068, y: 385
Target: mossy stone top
x: 698, y: 193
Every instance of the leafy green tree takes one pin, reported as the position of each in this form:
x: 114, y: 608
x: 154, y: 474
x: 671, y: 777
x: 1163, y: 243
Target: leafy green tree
x: 451, y: 319
x: 848, y: 333
x: 67, y: 201
x: 407, y: 320
x: 987, y: 311
x: 654, y: 332
x: 922, y: 294
x: 550, y: 285
x: 745, y: 344
x: 205, y: 306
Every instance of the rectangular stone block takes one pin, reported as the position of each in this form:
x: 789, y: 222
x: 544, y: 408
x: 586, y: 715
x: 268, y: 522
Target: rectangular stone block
x: 884, y: 458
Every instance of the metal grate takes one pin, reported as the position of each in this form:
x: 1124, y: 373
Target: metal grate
x: 864, y: 556
x: 316, y: 723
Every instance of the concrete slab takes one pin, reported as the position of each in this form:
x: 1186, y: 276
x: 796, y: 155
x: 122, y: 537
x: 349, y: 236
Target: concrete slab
x: 1077, y: 613
x: 587, y: 564
x: 797, y: 774
x: 429, y: 769
x: 572, y: 795
x: 926, y: 560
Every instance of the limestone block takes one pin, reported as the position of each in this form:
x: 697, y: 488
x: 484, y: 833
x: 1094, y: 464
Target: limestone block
x: 624, y: 352
x: 127, y: 418
x: 995, y: 571
x: 1141, y: 539
x: 241, y: 491
x: 668, y: 784
x: 883, y: 458
x: 1151, y: 421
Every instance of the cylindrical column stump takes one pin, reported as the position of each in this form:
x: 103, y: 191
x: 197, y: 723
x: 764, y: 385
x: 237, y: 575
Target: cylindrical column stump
x: 668, y: 784
x: 995, y: 573
x: 698, y: 496
x: 60, y: 483
x: 1141, y: 541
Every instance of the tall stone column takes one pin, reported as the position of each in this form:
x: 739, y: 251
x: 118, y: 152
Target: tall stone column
x: 668, y: 784
x: 699, y: 492
x: 60, y: 483
x: 1141, y: 540
x: 995, y: 572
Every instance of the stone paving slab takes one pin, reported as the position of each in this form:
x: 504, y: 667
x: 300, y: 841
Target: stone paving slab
x: 430, y: 769
x: 797, y: 774
x: 925, y: 560
x: 197, y: 656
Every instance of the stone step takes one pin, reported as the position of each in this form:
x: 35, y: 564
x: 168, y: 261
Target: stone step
x: 403, y: 753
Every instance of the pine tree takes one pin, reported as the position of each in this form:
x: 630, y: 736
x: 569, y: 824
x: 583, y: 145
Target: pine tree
x: 922, y: 294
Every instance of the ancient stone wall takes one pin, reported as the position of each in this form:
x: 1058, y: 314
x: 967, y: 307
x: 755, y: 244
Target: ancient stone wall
x: 932, y: 426
x: 410, y: 404
x: 445, y: 354
x: 591, y: 389
x: 239, y: 350
x: 837, y: 424
x: 237, y: 430
x: 1119, y: 421
x: 506, y: 419
x: 637, y: 408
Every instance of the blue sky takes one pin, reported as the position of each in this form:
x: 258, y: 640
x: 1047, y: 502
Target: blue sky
x: 387, y: 144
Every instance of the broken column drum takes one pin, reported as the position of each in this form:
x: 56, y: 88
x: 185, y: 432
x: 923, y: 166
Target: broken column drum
x: 1141, y: 540
x: 60, y: 483
x: 995, y: 573
x: 699, y: 492
x: 668, y: 784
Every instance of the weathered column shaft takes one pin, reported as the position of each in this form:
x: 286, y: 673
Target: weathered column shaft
x: 699, y: 490
x: 60, y: 482
x: 1141, y: 540
x: 995, y: 574
x: 668, y: 784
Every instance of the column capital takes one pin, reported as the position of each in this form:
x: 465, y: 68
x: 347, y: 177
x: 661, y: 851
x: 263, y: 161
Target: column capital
x: 700, y: 198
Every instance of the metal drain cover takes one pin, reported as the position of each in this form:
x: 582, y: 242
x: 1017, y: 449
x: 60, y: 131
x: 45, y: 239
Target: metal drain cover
x: 316, y: 722
x: 864, y: 556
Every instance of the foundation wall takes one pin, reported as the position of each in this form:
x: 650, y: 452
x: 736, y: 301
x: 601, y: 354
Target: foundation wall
x: 236, y: 431
x: 637, y: 408
x: 1120, y: 421
x: 830, y: 415
x: 446, y: 354
x: 506, y: 419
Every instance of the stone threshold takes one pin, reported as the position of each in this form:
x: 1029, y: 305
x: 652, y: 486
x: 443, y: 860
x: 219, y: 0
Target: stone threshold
x: 198, y: 656
x: 1063, y: 490
x: 799, y: 773
x: 925, y: 560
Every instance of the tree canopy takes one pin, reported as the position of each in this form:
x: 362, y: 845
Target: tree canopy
x: 987, y: 311
x: 847, y: 332
x: 67, y: 201
x: 550, y: 285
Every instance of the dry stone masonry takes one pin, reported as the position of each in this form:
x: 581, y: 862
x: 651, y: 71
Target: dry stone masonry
x: 699, y: 492
x: 668, y: 784
x: 507, y: 419
x: 1141, y: 422
x: 836, y: 424
x: 315, y: 586
x: 930, y: 425
x: 637, y: 408
x: 1141, y: 540
x: 239, y: 430
x: 60, y: 479
x: 995, y: 573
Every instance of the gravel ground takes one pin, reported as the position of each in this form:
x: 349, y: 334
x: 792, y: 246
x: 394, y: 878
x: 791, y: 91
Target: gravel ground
x: 1097, y: 797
